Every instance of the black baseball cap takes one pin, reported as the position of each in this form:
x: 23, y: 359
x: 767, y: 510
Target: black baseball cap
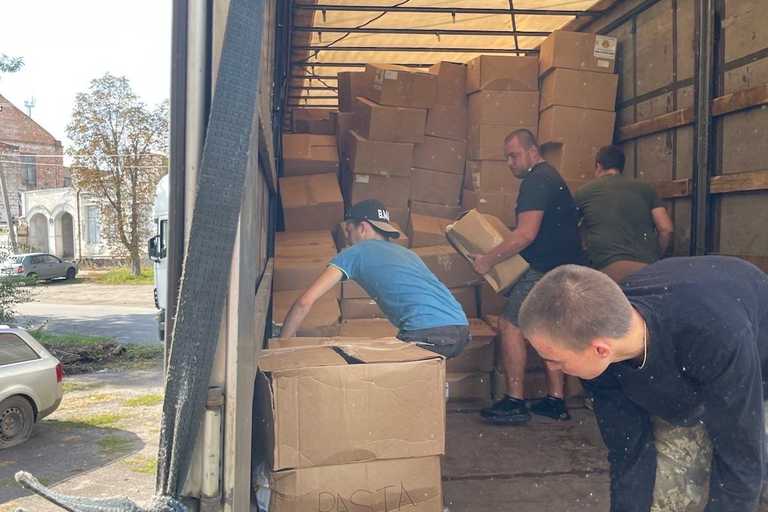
x: 375, y: 212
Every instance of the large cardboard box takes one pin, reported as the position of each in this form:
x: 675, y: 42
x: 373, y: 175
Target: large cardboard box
x: 306, y: 153
x: 438, y: 154
x: 322, y: 320
x: 491, y: 302
x: 375, y: 328
x: 379, y: 157
x: 447, y: 122
x: 319, y: 341
x: 359, y: 309
x: 351, y: 85
x: 412, y: 485
x: 582, y: 89
x: 476, y: 233
x: 506, y: 108
x: 480, y: 354
x: 298, y: 273
x: 578, y: 50
x: 498, y: 204
x: 467, y: 297
x: 490, y: 176
x: 502, y: 73
x: 400, y: 86
x: 395, y: 124
x: 425, y: 231
x: 486, y: 141
x: 313, y: 120
x: 351, y: 290
x: 449, y: 266
x: 347, y: 403
x: 436, y: 187
x: 435, y: 210
x: 469, y: 386
x: 451, y: 83
x: 576, y: 164
x: 304, y: 244
x: 311, y: 202
x: 393, y: 191
x: 345, y: 122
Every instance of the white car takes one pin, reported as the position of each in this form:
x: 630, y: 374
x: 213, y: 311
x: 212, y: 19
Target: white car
x: 30, y: 385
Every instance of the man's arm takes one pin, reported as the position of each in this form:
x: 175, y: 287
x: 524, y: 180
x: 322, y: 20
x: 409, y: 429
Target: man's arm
x: 528, y: 224
x: 628, y: 434
x: 664, y: 228
x: 298, y: 312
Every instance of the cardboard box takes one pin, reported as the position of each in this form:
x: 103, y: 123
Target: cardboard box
x: 400, y: 216
x: 502, y: 73
x: 320, y: 341
x: 578, y: 50
x: 582, y: 89
x: 491, y: 302
x: 351, y: 290
x: 379, y: 157
x: 313, y: 120
x: 304, y: 244
x: 450, y: 267
x: 476, y: 233
x: 375, y: 328
x: 436, y: 187
x: 322, y: 320
x: 393, y: 191
x: 451, y: 83
x: 443, y: 155
x: 498, y: 204
x: 467, y: 297
x: 480, y: 354
x: 486, y: 141
x: 425, y: 231
x: 576, y: 164
x: 469, y: 386
x: 447, y: 122
x: 399, y: 86
x: 351, y: 85
x: 317, y: 408
x: 490, y: 176
x: 345, y: 122
x: 435, y: 210
x: 412, y: 484
x: 505, y: 108
x: 359, y: 309
x: 305, y: 153
x: 298, y: 273
x: 311, y: 202
x: 394, y: 124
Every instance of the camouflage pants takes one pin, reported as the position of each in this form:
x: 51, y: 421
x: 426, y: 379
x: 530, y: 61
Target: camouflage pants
x: 684, y: 456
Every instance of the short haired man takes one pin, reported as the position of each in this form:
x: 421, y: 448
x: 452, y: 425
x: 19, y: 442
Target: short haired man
x: 625, y: 225
x: 547, y: 236
x: 684, y: 340
x: 408, y: 293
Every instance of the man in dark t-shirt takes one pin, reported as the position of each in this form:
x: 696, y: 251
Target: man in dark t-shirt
x: 684, y: 340
x: 547, y: 236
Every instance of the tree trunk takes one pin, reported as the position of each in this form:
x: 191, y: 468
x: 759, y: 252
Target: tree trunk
x: 135, y: 263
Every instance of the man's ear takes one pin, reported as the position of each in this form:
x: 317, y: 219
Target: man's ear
x: 602, y: 348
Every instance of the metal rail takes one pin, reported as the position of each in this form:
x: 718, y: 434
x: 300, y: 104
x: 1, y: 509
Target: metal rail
x: 420, y: 49
x: 446, y: 10
x: 424, y: 31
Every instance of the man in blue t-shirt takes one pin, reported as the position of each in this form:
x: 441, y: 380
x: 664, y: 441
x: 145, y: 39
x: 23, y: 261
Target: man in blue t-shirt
x: 409, y: 294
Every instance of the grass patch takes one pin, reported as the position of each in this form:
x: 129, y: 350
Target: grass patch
x: 143, y: 352
x: 144, y: 400
x: 143, y: 465
x: 104, y: 420
x: 72, y: 387
x: 50, y: 339
x: 123, y: 275
x: 114, y: 445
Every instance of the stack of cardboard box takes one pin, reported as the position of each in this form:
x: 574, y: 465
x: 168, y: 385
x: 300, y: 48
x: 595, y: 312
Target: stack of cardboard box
x: 469, y: 375
x: 503, y: 95
x: 578, y: 97
x: 313, y: 120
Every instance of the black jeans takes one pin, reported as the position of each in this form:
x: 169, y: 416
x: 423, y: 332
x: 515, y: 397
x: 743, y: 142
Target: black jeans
x: 448, y: 341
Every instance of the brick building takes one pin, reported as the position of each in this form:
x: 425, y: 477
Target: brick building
x: 30, y: 157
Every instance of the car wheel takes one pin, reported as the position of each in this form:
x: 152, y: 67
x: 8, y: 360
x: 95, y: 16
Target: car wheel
x: 16, y: 420
x: 71, y: 273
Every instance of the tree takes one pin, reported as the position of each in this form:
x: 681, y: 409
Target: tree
x: 10, y: 64
x: 13, y: 290
x: 118, y: 151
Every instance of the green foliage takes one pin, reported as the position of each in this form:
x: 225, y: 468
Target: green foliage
x: 13, y: 290
x: 123, y: 275
x: 10, y: 64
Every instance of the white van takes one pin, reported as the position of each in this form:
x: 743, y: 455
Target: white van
x: 158, y: 251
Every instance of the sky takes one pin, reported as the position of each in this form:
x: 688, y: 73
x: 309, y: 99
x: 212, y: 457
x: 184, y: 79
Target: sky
x: 66, y: 44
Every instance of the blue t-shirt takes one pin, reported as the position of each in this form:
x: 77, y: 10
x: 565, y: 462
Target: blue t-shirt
x: 408, y: 293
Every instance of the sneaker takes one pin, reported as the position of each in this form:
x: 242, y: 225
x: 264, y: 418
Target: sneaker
x: 507, y: 411
x: 551, y: 407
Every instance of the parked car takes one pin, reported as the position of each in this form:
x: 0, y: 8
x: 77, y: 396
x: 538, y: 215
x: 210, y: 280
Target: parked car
x: 30, y: 385
x: 38, y: 266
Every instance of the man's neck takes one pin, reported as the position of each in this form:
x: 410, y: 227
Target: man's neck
x: 610, y: 172
x: 634, y: 345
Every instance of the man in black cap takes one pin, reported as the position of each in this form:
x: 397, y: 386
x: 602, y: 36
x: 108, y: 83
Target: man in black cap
x: 409, y: 294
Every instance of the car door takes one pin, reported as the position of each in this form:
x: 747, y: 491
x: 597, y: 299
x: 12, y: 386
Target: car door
x: 36, y: 266
x: 55, y: 267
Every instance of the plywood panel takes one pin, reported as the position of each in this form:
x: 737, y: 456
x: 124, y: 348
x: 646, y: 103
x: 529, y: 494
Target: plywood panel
x: 684, y: 156
x: 655, y: 107
x: 654, y: 47
x: 685, y: 97
x: 686, y: 24
x: 744, y: 140
x: 654, y: 157
x: 625, y: 61
x: 681, y: 218
x: 629, y: 152
x: 746, y: 77
x: 743, y: 218
x: 625, y: 116
x: 745, y: 28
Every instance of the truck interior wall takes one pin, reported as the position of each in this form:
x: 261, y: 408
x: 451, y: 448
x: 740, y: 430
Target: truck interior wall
x: 657, y: 63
